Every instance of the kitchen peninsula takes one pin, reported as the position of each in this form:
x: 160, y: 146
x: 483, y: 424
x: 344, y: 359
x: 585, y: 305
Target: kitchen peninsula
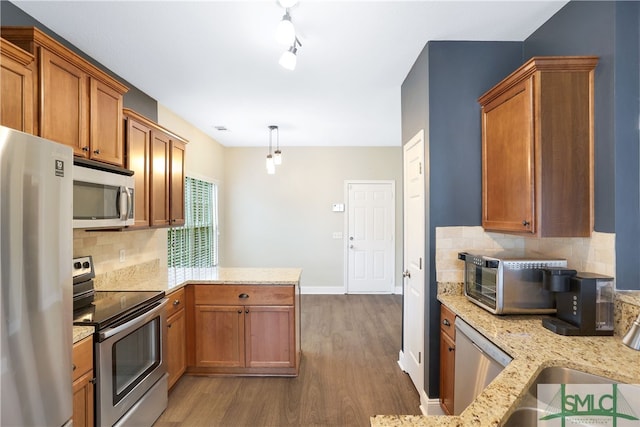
x: 237, y: 321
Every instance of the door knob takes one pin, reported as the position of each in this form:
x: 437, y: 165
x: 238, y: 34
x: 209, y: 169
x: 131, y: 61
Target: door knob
x: 406, y: 273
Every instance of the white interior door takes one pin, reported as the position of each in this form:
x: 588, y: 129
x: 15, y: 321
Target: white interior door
x: 370, y: 237
x: 412, y: 357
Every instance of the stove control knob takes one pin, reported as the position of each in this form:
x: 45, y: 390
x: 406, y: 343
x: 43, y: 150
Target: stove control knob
x: 86, y: 264
x: 77, y: 265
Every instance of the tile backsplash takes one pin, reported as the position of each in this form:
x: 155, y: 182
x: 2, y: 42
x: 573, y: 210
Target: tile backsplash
x: 140, y: 246
x: 595, y: 254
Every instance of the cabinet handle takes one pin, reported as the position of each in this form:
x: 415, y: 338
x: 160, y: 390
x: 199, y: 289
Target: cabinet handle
x: 176, y: 302
x: 243, y: 296
x: 525, y: 223
x: 451, y: 349
x: 96, y: 151
x: 446, y: 322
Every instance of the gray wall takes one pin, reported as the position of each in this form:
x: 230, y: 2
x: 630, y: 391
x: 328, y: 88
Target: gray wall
x: 440, y: 95
x: 609, y: 30
x: 135, y: 99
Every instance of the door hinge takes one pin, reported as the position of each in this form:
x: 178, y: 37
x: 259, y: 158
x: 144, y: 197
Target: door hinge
x: 419, y: 168
x: 420, y: 263
x: 419, y: 357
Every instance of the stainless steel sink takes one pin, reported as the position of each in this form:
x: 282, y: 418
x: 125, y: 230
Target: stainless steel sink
x: 527, y: 413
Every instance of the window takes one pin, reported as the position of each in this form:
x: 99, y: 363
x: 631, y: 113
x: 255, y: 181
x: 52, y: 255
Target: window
x: 196, y: 243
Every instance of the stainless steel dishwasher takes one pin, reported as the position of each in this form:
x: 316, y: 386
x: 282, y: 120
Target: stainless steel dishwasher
x: 478, y: 362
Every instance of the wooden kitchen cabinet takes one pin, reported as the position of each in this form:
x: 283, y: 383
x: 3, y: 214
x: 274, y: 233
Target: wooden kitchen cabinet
x: 537, y: 149
x: 16, y: 87
x: 447, y: 359
x: 157, y: 156
x: 244, y: 330
x: 176, y: 330
x: 83, y: 383
x: 77, y: 104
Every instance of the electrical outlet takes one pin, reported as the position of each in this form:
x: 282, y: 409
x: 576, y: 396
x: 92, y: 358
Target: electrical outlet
x: 122, y: 257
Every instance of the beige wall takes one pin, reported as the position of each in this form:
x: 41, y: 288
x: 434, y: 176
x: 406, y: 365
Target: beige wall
x: 285, y: 220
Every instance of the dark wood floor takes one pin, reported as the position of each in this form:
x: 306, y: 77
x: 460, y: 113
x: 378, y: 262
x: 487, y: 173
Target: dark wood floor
x: 349, y: 372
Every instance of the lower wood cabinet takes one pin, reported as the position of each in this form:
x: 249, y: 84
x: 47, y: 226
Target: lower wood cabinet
x: 176, y: 355
x: 244, y: 330
x: 83, y: 383
x: 447, y: 359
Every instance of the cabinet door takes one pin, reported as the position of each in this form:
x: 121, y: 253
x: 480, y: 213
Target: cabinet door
x: 16, y: 102
x: 64, y: 109
x: 138, y: 153
x: 176, y: 346
x: 176, y: 173
x: 508, y: 161
x: 219, y: 336
x: 270, y: 336
x: 106, y: 124
x: 159, y: 171
x: 447, y: 372
x: 83, y: 401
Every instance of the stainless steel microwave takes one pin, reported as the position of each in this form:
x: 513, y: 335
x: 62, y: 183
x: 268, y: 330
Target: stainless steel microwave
x: 509, y: 282
x: 103, y: 196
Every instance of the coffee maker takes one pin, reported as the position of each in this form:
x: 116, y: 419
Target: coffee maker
x: 584, y: 302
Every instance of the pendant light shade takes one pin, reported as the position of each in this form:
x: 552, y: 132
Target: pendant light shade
x: 286, y: 33
x: 271, y: 166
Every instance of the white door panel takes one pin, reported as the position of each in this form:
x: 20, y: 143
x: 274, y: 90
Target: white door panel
x: 414, y: 251
x: 370, y: 237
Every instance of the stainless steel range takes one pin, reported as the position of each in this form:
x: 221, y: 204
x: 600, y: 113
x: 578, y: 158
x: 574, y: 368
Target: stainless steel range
x: 129, y: 341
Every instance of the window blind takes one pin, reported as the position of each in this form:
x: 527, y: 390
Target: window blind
x: 196, y: 243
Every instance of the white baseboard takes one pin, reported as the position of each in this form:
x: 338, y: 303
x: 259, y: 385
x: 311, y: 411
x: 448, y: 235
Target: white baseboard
x: 322, y: 290
x: 398, y: 290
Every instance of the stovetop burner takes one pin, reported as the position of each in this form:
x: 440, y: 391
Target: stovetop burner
x: 109, y: 307
x: 104, y: 308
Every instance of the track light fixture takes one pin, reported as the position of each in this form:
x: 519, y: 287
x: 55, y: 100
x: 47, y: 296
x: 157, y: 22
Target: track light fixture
x: 286, y: 35
x: 286, y: 32
x: 289, y: 58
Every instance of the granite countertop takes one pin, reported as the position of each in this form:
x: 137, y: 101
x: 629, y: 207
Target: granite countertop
x: 148, y: 277
x: 533, y: 348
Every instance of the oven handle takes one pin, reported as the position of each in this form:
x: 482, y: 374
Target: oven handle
x: 136, y: 322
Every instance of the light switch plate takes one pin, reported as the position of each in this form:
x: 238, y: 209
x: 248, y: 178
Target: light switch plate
x: 337, y: 207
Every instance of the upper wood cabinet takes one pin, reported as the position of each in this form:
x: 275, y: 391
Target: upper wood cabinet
x: 157, y: 156
x: 16, y: 87
x: 76, y: 103
x: 537, y: 149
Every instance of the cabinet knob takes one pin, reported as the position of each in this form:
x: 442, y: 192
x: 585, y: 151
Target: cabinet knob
x: 169, y: 325
x: 246, y: 311
x: 74, y: 367
x: 243, y: 296
x: 451, y: 349
x: 239, y: 311
x: 96, y: 151
x: 446, y: 322
x: 85, y: 148
x: 525, y: 223
x: 176, y: 302
x: 92, y: 380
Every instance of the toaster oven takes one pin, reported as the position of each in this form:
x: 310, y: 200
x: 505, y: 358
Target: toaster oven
x: 509, y: 282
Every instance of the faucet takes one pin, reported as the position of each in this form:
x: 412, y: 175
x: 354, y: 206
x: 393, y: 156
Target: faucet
x: 632, y: 338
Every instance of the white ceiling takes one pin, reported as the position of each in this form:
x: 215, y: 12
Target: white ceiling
x: 215, y: 63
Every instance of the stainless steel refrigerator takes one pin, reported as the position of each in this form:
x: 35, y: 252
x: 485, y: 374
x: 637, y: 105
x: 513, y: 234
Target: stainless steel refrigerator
x: 36, y: 245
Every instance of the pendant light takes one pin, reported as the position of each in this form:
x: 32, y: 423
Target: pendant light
x: 277, y: 154
x: 271, y: 166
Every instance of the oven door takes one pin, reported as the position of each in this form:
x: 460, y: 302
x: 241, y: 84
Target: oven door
x: 129, y: 361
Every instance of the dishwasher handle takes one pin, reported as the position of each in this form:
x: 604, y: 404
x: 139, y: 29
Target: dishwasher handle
x: 482, y: 343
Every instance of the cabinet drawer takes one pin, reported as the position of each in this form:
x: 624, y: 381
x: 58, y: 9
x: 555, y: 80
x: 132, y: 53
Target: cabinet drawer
x: 244, y: 294
x: 447, y: 321
x: 82, y: 357
x: 176, y: 302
